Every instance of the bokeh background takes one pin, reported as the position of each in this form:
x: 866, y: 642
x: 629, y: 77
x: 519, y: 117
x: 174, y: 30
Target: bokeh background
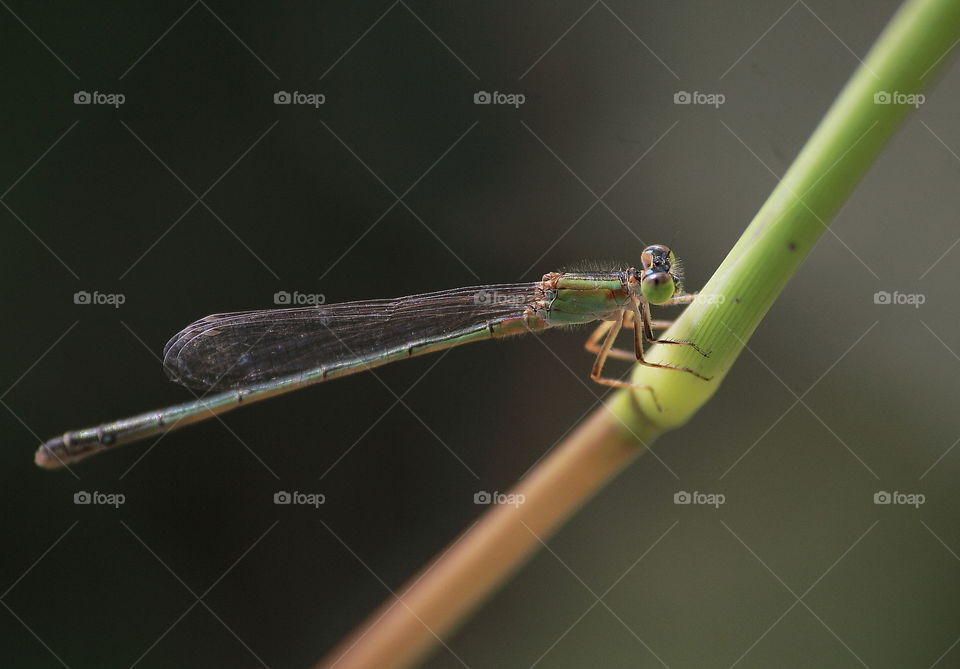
x: 400, y: 184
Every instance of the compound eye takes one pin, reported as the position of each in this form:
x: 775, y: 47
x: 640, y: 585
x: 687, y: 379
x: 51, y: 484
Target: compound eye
x: 657, y: 257
x: 657, y: 287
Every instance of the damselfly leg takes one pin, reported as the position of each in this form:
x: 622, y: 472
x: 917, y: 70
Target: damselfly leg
x: 596, y: 373
x: 595, y: 340
x: 636, y: 317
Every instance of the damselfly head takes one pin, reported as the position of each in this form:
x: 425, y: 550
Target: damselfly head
x: 661, y: 277
x: 657, y: 258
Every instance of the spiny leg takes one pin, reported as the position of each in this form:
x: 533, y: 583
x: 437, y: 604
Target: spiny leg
x: 685, y: 298
x: 594, y: 340
x: 638, y: 344
x: 648, y: 330
x: 598, y: 364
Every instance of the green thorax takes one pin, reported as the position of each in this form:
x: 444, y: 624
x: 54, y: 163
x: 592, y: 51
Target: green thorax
x: 582, y: 297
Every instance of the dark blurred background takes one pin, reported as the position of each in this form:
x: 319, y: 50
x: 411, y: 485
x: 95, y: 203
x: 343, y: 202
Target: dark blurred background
x: 198, y: 567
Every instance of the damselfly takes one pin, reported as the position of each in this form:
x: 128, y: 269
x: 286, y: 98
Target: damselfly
x: 248, y: 356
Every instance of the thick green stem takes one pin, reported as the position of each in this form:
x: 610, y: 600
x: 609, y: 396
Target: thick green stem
x: 734, y: 301
x: 856, y: 128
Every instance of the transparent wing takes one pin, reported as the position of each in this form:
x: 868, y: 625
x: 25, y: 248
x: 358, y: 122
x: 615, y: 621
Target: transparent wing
x: 236, y: 349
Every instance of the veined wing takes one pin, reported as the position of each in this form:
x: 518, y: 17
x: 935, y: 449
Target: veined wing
x: 240, y: 348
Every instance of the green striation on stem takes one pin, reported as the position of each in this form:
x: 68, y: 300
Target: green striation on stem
x: 854, y: 131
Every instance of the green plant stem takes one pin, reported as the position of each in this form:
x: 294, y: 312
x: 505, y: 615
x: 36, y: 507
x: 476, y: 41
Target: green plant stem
x: 738, y: 295
x: 410, y: 623
x: 830, y: 165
